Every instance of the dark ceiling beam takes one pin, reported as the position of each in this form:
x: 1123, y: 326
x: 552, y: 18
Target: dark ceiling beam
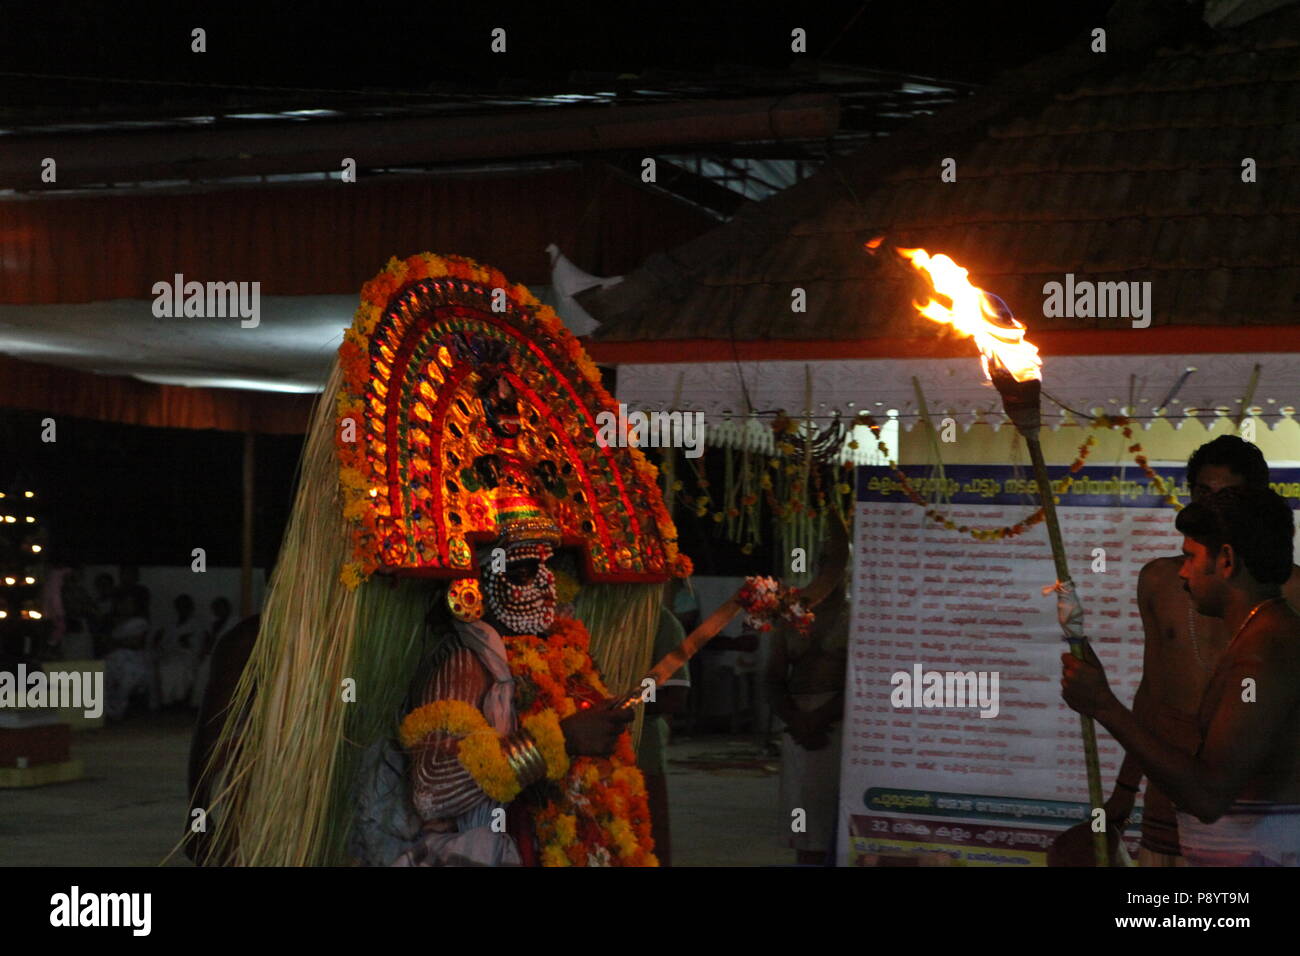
x: 678, y: 181
x: 92, y: 159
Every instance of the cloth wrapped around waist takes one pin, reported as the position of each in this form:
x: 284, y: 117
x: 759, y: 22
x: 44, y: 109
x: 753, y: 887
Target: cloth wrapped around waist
x: 1251, y: 833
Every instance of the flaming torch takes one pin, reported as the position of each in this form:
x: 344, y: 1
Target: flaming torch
x: 1012, y: 364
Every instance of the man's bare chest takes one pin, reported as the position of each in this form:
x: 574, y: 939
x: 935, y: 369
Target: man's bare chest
x: 1185, y: 654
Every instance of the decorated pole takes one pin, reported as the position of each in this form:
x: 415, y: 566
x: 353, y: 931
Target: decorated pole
x: 764, y: 600
x: 1012, y: 364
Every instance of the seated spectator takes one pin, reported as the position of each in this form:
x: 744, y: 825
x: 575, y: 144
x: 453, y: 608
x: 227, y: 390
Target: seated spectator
x: 128, y: 665
x: 103, y: 611
x: 78, y: 605
x: 178, y: 654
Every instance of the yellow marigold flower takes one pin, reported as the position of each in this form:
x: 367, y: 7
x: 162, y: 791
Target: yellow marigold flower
x: 356, y: 336
x: 447, y: 716
x: 351, y: 478
x: 396, y: 268
x: 631, y: 777
x: 532, y: 661
x: 350, y: 576
x: 554, y: 856
x: 480, y: 754
x: 545, y: 730
x: 624, y: 838
x: 548, y: 320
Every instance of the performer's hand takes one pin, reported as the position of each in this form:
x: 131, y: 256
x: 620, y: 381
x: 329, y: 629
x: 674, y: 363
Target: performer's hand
x: 593, y: 733
x: 1083, y: 682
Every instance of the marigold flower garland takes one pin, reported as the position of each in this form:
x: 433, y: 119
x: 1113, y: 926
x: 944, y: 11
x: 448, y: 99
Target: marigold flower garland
x: 1135, y: 449
x: 598, y: 815
x: 479, y: 748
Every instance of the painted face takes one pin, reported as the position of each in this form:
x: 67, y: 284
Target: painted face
x: 521, y: 599
x: 1210, y: 478
x: 1201, y: 579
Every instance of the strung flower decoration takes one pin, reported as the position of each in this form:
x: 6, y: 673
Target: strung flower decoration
x: 766, y: 601
x: 1020, y: 527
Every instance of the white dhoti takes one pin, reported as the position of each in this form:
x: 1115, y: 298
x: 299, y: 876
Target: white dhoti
x: 126, y: 671
x: 175, y: 677
x: 810, y: 781
x: 1251, y: 833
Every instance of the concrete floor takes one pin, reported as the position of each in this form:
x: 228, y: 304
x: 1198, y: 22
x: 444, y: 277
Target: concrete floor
x: 129, y: 808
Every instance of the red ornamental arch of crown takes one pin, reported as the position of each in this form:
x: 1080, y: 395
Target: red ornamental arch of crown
x: 458, y: 384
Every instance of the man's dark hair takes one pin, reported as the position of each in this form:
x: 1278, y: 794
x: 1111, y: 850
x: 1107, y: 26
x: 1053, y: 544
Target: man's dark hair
x: 1241, y: 456
x: 1257, y: 522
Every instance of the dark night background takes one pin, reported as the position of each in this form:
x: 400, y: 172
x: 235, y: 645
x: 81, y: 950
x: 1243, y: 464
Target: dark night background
x: 122, y: 494
x: 419, y: 46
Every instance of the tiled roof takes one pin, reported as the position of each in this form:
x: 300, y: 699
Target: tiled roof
x: 1128, y: 171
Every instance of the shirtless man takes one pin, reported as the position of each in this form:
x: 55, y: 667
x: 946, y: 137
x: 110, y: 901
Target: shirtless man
x: 1181, y: 650
x: 1238, y: 794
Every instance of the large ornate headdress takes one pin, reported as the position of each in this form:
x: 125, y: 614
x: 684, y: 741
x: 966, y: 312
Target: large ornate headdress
x: 466, y: 403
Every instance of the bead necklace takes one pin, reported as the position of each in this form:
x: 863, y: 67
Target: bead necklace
x: 1191, y: 630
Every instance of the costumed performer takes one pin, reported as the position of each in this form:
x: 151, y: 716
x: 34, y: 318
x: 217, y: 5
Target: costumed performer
x: 412, y: 697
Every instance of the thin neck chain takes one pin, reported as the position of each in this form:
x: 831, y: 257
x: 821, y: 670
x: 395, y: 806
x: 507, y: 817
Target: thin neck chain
x: 1253, y: 611
x: 1191, y: 627
x: 1191, y: 630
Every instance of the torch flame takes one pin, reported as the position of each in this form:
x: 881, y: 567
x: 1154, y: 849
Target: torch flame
x: 972, y: 309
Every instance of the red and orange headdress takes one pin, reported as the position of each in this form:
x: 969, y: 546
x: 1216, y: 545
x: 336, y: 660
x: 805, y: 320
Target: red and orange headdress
x: 468, y: 414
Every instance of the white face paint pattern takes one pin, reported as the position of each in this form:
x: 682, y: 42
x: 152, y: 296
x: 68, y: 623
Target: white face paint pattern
x: 527, y: 608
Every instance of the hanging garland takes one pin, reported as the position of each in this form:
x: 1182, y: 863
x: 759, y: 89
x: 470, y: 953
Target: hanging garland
x: 789, y: 498
x: 1135, y: 449
x: 795, y: 491
x: 1011, y: 531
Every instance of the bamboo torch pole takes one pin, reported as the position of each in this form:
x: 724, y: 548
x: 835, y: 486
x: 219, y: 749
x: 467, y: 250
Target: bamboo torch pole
x: 1021, y: 400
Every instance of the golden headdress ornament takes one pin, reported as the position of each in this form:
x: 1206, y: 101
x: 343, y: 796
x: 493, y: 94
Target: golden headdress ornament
x: 468, y: 415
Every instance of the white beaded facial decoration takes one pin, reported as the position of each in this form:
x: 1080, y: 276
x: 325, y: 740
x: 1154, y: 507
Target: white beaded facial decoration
x: 521, y: 599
